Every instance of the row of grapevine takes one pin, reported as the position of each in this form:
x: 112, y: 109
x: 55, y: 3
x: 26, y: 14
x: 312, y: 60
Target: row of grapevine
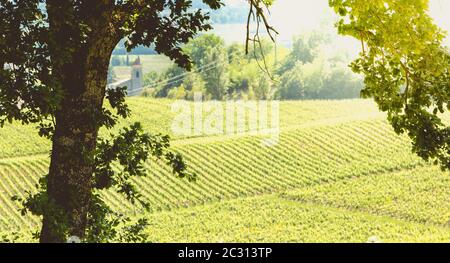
x: 156, y: 117
x: 270, y: 218
x: 421, y: 195
x: 231, y: 167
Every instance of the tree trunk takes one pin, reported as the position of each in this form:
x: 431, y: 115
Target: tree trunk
x: 70, y: 179
x: 80, y: 67
x: 69, y: 183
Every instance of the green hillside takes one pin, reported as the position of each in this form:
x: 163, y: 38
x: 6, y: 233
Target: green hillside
x: 339, y: 173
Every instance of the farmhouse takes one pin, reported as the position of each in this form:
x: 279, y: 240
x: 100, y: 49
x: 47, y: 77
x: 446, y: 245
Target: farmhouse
x: 134, y: 83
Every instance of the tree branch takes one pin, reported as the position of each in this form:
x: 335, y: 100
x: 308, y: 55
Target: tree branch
x: 256, y: 10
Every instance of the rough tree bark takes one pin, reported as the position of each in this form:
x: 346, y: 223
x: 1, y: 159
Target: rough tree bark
x: 82, y: 76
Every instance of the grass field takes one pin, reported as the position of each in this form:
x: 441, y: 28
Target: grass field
x: 338, y: 174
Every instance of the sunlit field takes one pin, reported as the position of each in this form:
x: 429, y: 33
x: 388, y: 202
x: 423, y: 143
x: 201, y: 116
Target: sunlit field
x: 338, y: 174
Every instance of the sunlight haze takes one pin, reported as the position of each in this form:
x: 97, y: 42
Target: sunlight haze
x: 293, y: 17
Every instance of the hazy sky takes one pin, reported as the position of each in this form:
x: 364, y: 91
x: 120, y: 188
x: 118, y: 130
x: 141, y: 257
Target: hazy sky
x: 292, y: 17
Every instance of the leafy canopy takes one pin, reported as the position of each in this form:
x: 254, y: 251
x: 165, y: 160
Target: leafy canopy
x: 31, y: 61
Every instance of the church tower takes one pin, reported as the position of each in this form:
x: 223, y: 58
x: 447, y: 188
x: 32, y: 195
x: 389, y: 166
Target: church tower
x: 137, y: 78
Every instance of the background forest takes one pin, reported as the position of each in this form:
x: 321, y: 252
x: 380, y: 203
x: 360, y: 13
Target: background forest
x: 310, y: 69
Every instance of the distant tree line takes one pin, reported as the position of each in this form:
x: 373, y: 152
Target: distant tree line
x: 228, y: 14
x: 121, y: 60
x: 220, y: 72
x: 236, y: 14
x: 139, y: 50
x: 308, y: 72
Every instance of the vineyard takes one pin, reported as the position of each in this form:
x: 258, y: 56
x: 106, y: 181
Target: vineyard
x: 338, y: 174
